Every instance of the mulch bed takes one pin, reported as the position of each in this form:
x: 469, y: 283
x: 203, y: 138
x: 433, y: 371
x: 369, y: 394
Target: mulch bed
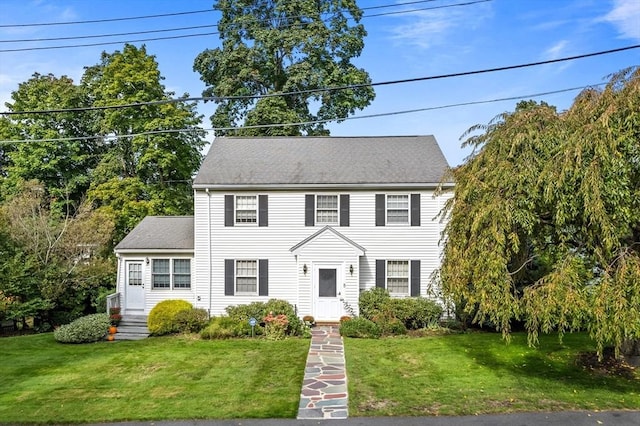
x: 608, y: 366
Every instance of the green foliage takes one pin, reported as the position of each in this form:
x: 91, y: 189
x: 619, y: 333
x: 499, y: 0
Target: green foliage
x: 260, y: 310
x: 292, y: 47
x: 220, y: 328
x: 360, y: 327
x: 163, y: 318
x: 545, y: 221
x: 192, y: 320
x: 412, y: 312
x: 415, y: 312
x: 90, y: 328
x: 390, y: 326
x: 372, y: 301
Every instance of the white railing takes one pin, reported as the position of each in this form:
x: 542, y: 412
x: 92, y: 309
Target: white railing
x: 113, y: 301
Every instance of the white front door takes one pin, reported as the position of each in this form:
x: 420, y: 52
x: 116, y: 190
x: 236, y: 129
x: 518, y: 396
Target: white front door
x: 134, y: 286
x: 327, y: 292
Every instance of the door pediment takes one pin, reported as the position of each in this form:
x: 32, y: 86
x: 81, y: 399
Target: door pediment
x: 328, y: 238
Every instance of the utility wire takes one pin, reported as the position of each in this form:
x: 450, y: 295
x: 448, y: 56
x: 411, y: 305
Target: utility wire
x: 95, y: 21
x: 360, y: 117
x: 192, y: 12
x: 329, y: 89
x: 106, y: 43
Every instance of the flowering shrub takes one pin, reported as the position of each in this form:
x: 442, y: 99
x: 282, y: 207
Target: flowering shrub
x: 114, y: 316
x: 90, y: 328
x: 275, y: 326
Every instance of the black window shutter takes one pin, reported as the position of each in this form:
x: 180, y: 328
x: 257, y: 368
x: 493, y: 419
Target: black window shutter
x: 415, y: 278
x: 309, y: 209
x: 228, y: 210
x: 344, y: 210
x: 263, y: 210
x: 380, y: 209
x: 263, y: 277
x: 229, y: 277
x: 380, y: 273
x: 415, y: 209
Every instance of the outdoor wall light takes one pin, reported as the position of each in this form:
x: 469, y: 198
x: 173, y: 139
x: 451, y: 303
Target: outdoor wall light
x: 351, y: 269
x: 147, y: 260
x: 304, y: 269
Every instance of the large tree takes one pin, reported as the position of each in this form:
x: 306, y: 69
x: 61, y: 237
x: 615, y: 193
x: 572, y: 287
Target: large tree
x: 545, y: 221
x: 61, y: 166
x: 145, y: 169
x: 275, y: 59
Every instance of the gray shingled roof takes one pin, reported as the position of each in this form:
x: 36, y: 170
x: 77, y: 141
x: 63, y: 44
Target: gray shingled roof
x: 160, y: 233
x: 322, y: 160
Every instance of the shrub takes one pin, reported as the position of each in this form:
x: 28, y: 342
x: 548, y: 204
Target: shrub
x: 415, y: 312
x: 372, y: 302
x: 162, y: 318
x: 220, y: 328
x: 390, y: 326
x: 360, y: 327
x: 192, y: 320
x: 90, y: 328
x: 275, y: 326
x: 259, y: 310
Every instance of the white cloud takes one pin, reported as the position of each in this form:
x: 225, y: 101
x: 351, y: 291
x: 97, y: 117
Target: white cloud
x: 625, y: 16
x: 556, y: 51
x: 427, y: 28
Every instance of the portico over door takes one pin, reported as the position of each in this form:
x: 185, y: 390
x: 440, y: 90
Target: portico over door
x: 328, y: 288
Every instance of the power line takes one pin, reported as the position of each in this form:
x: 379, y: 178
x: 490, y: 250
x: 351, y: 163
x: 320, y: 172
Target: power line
x: 191, y: 12
x: 163, y: 30
x: 95, y: 21
x: 387, y: 114
x: 330, y: 89
x: 106, y: 43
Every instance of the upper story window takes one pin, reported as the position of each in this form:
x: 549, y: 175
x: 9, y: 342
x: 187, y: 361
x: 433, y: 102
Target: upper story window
x: 327, y: 209
x: 246, y: 209
x: 397, y: 209
x: 171, y: 273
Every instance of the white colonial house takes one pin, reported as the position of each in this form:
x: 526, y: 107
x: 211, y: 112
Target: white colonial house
x: 312, y: 220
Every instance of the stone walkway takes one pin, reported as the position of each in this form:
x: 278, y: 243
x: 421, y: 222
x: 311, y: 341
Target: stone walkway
x: 324, y: 388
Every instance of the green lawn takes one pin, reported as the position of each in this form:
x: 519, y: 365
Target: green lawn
x: 156, y: 378
x: 478, y: 373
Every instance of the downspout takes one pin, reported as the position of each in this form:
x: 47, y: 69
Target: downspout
x: 209, y: 247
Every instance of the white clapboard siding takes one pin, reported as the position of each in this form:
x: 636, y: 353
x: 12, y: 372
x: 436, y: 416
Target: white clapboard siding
x: 286, y: 214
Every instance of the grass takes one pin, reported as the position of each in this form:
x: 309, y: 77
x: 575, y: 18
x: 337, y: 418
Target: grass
x: 152, y: 379
x: 478, y: 373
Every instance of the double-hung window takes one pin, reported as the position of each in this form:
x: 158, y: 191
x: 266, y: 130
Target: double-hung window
x: 246, y: 209
x: 171, y: 273
x: 247, y: 276
x: 397, y: 209
x: 398, y: 277
x: 327, y: 209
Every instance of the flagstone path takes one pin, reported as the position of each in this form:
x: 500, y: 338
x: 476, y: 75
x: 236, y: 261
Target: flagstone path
x: 324, y: 388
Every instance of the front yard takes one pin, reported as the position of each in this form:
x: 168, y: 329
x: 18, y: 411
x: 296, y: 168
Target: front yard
x: 152, y: 379
x: 185, y: 378
x: 478, y: 373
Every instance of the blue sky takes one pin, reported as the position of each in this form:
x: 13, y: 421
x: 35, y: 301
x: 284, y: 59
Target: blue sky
x: 412, y: 44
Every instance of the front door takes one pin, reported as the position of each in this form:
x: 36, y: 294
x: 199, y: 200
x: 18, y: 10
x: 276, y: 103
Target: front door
x: 328, y: 288
x: 134, y: 286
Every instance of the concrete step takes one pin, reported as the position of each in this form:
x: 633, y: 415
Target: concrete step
x: 129, y: 336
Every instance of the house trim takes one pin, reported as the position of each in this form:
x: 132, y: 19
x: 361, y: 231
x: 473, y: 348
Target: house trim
x: 328, y: 186
x: 295, y: 249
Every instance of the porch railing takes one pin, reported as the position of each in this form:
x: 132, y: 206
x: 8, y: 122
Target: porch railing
x: 113, y: 301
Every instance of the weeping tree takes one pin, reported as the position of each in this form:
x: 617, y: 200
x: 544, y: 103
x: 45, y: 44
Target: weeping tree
x: 545, y: 222
x: 275, y: 59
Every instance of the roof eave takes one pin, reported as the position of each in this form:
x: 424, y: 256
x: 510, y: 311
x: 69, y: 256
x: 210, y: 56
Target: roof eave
x: 311, y: 186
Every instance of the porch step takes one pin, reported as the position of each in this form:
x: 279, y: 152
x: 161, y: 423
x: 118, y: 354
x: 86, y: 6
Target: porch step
x: 132, y: 327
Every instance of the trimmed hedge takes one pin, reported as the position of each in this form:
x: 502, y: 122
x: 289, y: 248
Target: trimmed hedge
x: 259, y: 310
x: 360, y: 327
x: 163, y: 317
x: 90, y: 328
